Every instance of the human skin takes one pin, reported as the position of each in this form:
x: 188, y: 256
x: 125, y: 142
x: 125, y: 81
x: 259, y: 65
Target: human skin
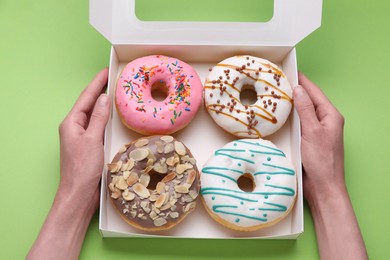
x: 322, y: 147
x: 81, y: 156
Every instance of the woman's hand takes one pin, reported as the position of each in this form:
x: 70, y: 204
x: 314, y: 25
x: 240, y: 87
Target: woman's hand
x: 322, y: 139
x: 322, y: 148
x: 81, y: 142
x: 77, y: 198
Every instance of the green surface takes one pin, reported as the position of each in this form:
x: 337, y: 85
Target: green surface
x: 49, y: 52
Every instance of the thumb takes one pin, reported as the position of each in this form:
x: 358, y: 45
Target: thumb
x: 99, y: 117
x: 305, y: 109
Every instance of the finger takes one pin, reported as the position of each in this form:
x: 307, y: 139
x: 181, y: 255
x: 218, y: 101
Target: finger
x: 99, y: 117
x: 88, y: 97
x: 305, y: 109
x: 315, y: 93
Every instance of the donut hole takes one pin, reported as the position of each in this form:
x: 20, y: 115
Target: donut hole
x: 248, y: 94
x: 246, y: 182
x: 159, y: 90
x: 155, y: 178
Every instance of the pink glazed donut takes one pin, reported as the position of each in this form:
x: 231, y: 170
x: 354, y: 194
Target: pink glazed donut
x: 177, y: 80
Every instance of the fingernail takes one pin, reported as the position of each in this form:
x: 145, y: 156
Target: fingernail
x: 103, y: 100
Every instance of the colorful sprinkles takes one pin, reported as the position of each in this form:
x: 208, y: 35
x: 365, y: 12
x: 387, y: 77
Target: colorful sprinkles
x: 179, y: 93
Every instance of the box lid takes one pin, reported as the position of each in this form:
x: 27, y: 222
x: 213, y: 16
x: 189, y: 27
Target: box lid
x: 292, y: 21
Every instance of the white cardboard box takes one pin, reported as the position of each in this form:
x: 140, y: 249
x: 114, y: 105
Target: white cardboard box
x: 202, y: 45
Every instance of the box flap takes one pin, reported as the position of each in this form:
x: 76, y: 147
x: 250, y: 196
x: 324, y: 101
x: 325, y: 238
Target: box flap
x: 292, y: 21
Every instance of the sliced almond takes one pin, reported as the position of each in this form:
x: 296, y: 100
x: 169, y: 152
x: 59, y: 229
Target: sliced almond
x: 124, y: 166
x: 172, y: 202
x: 153, y: 215
x: 181, y: 189
x: 160, y: 146
x: 147, y: 169
x: 139, y: 154
x: 150, y: 154
x: 171, y: 161
x: 189, y: 166
x: 133, y: 213
x: 130, y: 164
x: 180, y: 168
x: 160, y: 201
x: 189, y: 206
x: 174, y: 214
x: 111, y: 186
x: 145, y: 206
x: 122, y: 149
x: 133, y: 178
x: 121, y: 184
x: 114, y: 167
x: 187, y: 198
x: 168, y: 148
x: 160, y: 168
x: 158, y: 222
x: 167, y: 138
x: 180, y: 148
x: 141, y: 190
x: 165, y: 207
x: 160, y: 187
x: 144, y: 179
x: 141, y: 142
x: 191, y: 177
x: 127, y: 195
x: 169, y: 177
x: 116, y: 193
x: 126, y: 174
x: 153, y: 197
x: 115, y: 179
x: 193, y: 194
x: 150, y: 162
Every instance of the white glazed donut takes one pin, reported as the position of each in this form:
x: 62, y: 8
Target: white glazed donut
x: 224, y: 84
x: 274, y: 182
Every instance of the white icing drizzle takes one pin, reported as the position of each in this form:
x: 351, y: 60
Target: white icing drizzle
x: 222, y: 96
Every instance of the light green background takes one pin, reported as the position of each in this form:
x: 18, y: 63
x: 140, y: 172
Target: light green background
x: 49, y: 52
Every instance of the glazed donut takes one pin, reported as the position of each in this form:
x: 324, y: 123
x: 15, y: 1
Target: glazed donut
x: 273, y: 178
x: 139, y: 111
x: 224, y: 84
x: 153, y: 182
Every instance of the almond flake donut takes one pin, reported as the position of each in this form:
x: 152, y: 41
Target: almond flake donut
x: 153, y: 182
x: 139, y: 111
x: 273, y: 178
x: 222, y: 90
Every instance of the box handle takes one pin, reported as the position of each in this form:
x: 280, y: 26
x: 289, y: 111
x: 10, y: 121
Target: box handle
x: 292, y: 21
